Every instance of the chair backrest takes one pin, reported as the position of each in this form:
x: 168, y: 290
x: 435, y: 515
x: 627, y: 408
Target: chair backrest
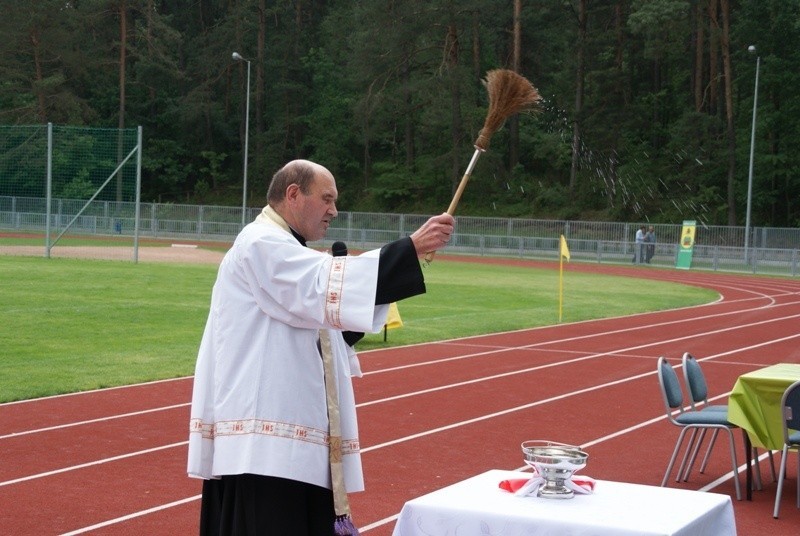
x: 670, y: 387
x: 695, y: 380
x: 790, y: 402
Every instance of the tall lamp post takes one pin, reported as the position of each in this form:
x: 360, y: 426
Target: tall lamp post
x: 752, y: 50
x: 238, y: 57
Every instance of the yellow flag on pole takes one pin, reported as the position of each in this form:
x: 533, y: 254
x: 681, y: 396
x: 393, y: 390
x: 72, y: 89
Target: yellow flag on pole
x: 563, y: 247
x: 563, y: 252
x: 393, y: 319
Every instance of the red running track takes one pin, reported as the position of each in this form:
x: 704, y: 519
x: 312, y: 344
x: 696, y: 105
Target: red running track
x: 113, y: 461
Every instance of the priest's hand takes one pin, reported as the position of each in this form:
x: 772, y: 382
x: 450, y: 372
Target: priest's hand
x: 434, y: 234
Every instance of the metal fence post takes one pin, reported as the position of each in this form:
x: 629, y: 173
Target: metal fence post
x: 138, y: 195
x: 49, y: 188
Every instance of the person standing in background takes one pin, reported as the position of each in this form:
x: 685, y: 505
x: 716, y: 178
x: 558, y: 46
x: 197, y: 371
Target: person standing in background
x: 650, y: 239
x: 638, y: 246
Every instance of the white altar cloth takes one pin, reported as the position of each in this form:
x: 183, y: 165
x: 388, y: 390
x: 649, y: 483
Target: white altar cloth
x: 478, y: 507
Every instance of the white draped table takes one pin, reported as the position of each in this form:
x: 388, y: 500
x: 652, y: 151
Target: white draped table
x: 478, y: 507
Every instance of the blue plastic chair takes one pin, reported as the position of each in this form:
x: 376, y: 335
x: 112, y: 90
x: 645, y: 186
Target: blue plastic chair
x: 790, y: 404
x: 697, y: 388
x: 691, y: 420
x: 696, y: 385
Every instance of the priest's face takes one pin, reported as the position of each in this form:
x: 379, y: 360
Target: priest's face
x: 314, y: 211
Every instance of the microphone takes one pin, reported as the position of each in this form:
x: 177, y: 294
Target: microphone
x: 339, y: 249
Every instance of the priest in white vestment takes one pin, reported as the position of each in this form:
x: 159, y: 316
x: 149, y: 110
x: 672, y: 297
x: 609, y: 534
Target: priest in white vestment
x: 259, y: 429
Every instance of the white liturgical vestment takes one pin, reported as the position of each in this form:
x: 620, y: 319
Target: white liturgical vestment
x: 258, y: 404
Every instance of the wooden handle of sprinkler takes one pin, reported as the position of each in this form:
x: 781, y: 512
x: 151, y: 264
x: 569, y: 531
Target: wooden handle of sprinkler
x: 457, y: 196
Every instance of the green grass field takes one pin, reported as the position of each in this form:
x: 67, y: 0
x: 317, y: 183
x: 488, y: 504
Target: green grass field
x: 71, y: 325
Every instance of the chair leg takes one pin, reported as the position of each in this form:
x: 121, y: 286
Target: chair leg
x: 772, y: 466
x: 758, y: 467
x: 672, y: 459
x: 758, y: 482
x: 757, y: 472
x: 780, y: 482
x: 688, y: 459
x: 687, y: 454
x: 735, y: 464
x: 798, y: 476
x: 708, y: 451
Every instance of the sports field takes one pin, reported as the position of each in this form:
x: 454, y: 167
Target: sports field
x: 431, y: 414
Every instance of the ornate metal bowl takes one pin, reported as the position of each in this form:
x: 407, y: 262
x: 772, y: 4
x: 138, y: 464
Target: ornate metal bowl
x: 555, y: 463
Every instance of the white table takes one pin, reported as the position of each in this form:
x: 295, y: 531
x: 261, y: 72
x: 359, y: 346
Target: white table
x: 478, y: 507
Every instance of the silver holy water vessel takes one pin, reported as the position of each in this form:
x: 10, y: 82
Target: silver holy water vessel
x: 555, y: 463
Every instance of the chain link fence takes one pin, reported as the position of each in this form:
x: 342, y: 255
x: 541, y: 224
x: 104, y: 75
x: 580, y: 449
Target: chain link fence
x: 773, y: 251
x: 63, y: 181
x: 79, y: 188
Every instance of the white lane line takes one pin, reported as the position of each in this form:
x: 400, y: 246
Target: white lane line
x: 93, y: 391
x: 434, y: 430
x: 492, y: 350
x: 379, y: 523
x: 423, y: 434
x: 583, y: 337
x: 455, y: 358
x: 94, y: 421
x: 132, y: 516
x: 567, y: 361
x: 394, y: 517
x: 91, y: 464
x: 559, y: 397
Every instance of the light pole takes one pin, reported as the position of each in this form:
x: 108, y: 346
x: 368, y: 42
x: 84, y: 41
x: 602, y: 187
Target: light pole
x: 752, y: 50
x: 238, y: 57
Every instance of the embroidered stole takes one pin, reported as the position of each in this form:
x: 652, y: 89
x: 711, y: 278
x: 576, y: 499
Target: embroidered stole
x: 340, y: 501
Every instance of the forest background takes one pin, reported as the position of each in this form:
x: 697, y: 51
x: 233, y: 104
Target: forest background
x: 647, y: 109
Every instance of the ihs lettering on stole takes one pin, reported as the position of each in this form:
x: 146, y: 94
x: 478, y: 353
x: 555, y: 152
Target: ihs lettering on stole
x: 333, y: 296
x: 335, y: 449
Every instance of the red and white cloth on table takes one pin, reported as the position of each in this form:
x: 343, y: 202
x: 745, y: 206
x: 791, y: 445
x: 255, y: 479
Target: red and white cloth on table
x: 523, y: 487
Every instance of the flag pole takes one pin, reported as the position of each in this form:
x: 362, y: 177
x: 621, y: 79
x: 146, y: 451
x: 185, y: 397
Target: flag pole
x: 560, y: 284
x: 563, y: 251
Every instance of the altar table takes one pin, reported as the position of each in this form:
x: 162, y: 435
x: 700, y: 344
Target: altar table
x: 755, y: 403
x: 755, y: 406
x: 478, y: 507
